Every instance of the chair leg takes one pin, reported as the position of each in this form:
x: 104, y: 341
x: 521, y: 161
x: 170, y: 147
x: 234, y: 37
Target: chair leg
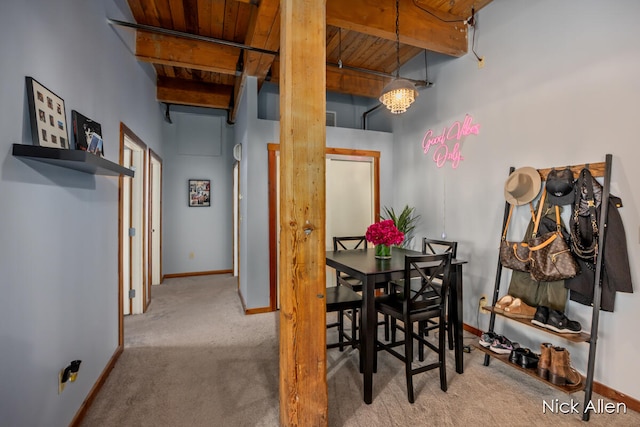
x: 341, y: 329
x: 408, y: 359
x: 442, y: 358
x: 450, y: 323
x: 386, y: 327
x: 421, y: 326
x: 354, y: 327
x: 393, y: 329
x: 360, y: 348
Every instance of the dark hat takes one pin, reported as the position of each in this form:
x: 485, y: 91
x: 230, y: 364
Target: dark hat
x: 522, y: 186
x: 560, y: 187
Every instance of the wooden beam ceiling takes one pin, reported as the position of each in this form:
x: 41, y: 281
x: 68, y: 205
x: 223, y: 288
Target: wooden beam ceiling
x: 417, y: 27
x: 360, y: 33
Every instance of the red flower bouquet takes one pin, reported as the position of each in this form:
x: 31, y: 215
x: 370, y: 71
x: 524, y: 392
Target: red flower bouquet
x: 384, y: 233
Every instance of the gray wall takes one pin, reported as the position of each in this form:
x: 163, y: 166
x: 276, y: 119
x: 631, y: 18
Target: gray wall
x: 59, y: 228
x: 560, y: 86
x: 197, y: 145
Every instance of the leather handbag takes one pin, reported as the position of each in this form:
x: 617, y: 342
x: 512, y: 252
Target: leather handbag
x: 514, y: 255
x: 549, y: 254
x: 584, y: 216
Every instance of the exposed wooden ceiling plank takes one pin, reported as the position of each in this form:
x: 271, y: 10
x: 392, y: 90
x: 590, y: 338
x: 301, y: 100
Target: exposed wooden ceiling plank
x: 187, y: 53
x: 217, y: 18
x: 136, y: 10
x: 204, y: 18
x: 191, y: 16
x: 151, y: 15
x: 417, y: 27
x: 189, y: 92
x: 177, y: 15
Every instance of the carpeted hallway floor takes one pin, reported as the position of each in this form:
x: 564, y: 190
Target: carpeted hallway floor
x: 195, y: 359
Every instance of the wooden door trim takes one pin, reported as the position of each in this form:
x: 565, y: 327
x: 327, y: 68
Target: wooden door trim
x: 273, y: 149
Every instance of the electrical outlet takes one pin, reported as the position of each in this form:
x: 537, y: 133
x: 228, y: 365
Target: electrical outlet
x: 191, y: 255
x: 481, y: 62
x: 481, y: 303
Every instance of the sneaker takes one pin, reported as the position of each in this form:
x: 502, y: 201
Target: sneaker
x: 502, y: 345
x: 487, y: 339
x: 558, y: 322
x: 541, y: 316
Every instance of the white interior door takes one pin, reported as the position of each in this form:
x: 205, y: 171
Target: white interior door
x: 236, y: 219
x: 134, y: 231
x: 155, y: 203
x: 126, y: 225
x: 349, y: 200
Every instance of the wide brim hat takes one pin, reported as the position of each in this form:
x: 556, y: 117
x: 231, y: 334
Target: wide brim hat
x: 559, y: 187
x: 522, y: 186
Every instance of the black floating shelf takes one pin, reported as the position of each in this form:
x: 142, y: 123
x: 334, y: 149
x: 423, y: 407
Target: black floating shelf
x: 72, y: 159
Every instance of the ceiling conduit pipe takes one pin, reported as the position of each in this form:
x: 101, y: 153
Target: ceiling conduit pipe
x: 366, y: 113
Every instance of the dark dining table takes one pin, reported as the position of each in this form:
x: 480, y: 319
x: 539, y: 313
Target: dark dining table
x: 363, y: 265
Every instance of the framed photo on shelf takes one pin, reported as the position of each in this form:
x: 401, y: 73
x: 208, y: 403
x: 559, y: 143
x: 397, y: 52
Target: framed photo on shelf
x: 47, y: 116
x: 199, y: 192
x: 87, y: 134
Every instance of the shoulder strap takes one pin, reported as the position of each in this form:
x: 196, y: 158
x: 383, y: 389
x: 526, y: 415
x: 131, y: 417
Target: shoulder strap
x: 539, y: 215
x: 506, y: 224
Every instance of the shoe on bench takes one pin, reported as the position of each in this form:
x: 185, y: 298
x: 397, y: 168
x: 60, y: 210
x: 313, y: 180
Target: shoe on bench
x: 560, y: 323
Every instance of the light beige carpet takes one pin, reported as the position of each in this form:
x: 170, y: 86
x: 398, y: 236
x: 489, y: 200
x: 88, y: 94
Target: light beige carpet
x: 195, y: 359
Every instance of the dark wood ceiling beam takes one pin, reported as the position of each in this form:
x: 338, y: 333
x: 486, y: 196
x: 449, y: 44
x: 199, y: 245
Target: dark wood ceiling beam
x: 342, y: 80
x: 417, y: 27
x: 187, y: 53
x: 190, y: 92
x: 354, y: 83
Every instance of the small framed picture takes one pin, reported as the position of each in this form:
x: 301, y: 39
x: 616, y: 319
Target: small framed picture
x: 199, y: 192
x: 47, y: 116
x: 87, y: 134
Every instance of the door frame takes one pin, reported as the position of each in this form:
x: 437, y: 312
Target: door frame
x: 273, y: 150
x: 128, y: 133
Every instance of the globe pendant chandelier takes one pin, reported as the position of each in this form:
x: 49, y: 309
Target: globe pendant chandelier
x: 398, y: 95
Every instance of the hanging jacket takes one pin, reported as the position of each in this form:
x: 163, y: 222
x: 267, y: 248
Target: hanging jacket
x: 616, y: 273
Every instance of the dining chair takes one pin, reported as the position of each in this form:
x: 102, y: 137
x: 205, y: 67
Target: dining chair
x: 342, y: 298
x: 421, y: 295
x: 339, y: 299
x: 435, y: 246
x: 341, y: 243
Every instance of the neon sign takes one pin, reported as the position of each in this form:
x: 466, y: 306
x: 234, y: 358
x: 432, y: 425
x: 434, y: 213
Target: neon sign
x: 442, y: 153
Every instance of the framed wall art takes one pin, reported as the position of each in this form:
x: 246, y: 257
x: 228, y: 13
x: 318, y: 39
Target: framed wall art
x: 87, y: 134
x: 47, y: 115
x: 199, y: 192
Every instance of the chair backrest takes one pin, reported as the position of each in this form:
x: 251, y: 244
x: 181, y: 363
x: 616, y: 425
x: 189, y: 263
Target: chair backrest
x: 344, y: 243
x: 430, y: 285
x: 434, y: 246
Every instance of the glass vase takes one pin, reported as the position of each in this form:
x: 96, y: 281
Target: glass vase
x: 383, y: 252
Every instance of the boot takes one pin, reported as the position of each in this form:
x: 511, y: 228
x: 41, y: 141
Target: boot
x: 545, y: 360
x: 561, y: 372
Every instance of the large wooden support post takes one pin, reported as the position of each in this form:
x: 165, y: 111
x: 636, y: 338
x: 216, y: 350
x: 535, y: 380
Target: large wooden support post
x: 303, y: 382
